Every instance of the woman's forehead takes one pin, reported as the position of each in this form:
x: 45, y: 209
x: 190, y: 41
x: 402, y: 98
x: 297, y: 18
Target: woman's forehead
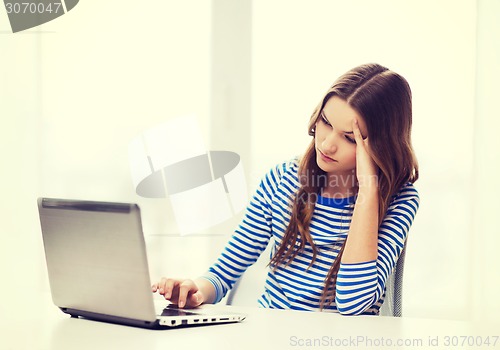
x: 341, y: 115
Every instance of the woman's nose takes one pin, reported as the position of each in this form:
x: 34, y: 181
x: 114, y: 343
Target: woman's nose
x: 330, y: 143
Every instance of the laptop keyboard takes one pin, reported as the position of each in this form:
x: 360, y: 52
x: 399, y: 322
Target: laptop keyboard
x: 176, y: 312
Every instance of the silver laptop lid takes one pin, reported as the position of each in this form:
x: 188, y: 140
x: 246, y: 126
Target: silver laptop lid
x: 96, y: 258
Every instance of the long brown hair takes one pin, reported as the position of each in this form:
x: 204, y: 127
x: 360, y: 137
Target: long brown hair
x: 383, y: 99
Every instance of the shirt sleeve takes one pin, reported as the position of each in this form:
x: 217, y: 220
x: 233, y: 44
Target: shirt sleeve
x: 361, y: 285
x: 250, y: 239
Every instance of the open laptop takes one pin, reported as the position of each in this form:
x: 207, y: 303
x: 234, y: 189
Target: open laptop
x: 98, y: 267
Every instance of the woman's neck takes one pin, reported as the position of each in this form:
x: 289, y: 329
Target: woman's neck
x: 338, y: 193
x: 340, y: 186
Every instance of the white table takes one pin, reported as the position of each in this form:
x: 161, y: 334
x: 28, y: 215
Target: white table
x: 40, y: 325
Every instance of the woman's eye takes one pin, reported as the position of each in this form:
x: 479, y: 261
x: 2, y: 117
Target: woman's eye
x: 325, y: 120
x: 350, y: 139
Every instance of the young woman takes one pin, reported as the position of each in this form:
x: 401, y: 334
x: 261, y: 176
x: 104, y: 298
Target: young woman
x: 338, y: 217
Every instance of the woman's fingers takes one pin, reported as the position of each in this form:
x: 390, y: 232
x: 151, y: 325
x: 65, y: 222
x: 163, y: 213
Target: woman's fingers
x: 357, y: 132
x: 195, y: 299
x: 166, y: 287
x: 186, y: 290
x: 366, y: 170
x: 179, y: 291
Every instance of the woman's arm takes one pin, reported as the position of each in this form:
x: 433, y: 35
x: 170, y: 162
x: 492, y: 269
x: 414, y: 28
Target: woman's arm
x: 250, y: 239
x: 361, y: 244
x: 361, y: 285
x: 371, y: 252
x: 243, y: 249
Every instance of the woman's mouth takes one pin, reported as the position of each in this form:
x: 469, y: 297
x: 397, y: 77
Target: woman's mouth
x: 325, y: 158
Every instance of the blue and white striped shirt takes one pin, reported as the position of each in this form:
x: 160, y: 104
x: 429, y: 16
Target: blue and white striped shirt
x: 360, y: 286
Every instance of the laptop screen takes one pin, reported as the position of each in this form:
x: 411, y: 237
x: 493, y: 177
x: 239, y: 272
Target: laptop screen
x: 96, y: 257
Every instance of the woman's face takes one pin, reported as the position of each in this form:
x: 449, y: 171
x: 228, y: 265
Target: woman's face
x: 334, y: 139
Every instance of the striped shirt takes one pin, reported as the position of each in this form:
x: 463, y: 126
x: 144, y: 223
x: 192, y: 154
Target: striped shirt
x: 360, y: 286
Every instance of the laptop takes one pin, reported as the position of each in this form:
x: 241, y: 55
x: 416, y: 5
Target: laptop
x: 98, y: 267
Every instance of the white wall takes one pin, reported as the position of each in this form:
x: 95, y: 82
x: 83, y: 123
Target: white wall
x: 20, y: 104
x: 75, y: 91
x: 483, y: 254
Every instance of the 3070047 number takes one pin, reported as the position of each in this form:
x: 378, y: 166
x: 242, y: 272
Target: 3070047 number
x: 33, y: 7
x: 471, y: 341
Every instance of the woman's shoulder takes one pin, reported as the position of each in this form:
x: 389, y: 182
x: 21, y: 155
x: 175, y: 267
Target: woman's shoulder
x: 286, y: 169
x: 407, y: 194
x: 288, y: 166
